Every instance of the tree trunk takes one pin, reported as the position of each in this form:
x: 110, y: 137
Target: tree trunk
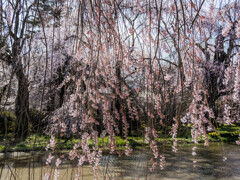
x: 22, y: 104
x: 118, y: 99
x: 214, y: 75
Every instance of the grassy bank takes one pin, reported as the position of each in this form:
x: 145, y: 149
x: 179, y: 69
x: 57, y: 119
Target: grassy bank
x: 39, y: 142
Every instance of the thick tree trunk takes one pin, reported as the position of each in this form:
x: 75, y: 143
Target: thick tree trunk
x: 22, y: 104
x: 215, y: 74
x: 118, y: 99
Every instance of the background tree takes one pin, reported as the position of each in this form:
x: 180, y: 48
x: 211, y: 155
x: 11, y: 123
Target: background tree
x: 14, y: 41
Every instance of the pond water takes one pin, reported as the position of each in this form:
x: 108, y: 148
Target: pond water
x: 210, y: 164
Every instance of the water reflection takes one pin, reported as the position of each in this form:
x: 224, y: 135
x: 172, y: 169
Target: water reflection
x: 210, y: 165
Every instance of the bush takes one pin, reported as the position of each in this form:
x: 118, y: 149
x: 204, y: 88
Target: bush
x: 36, y: 118
x: 215, y: 135
x: 11, y: 121
x: 2, y: 147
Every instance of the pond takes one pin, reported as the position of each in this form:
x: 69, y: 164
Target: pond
x: 218, y: 161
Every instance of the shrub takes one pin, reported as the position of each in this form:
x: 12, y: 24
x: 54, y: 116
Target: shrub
x: 2, y: 147
x: 11, y: 121
x: 36, y: 118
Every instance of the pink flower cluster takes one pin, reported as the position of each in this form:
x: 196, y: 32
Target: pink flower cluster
x: 154, y: 165
x: 238, y: 141
x: 167, y: 77
x: 236, y: 90
x: 49, y: 159
x: 58, y: 162
x: 52, y: 143
x: 227, y: 75
x: 147, y: 134
x: 174, y: 135
x: 162, y: 162
x: 197, y: 111
x: 154, y: 148
x: 238, y: 29
x: 227, y: 29
x: 227, y: 114
x: 128, y: 150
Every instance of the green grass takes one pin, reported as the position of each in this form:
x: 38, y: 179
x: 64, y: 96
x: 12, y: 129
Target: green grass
x: 39, y: 142
x: 225, y: 133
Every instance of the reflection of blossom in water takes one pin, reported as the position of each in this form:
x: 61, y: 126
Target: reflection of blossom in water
x: 58, y: 162
x: 224, y: 159
x: 194, y: 151
x: 194, y: 163
x: 56, y: 174
x: 49, y: 159
x: 46, y: 176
